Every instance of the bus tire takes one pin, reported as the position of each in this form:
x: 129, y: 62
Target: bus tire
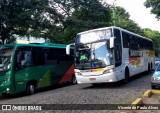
x: 74, y: 80
x: 153, y: 87
x: 6, y: 95
x: 30, y: 89
x: 126, y: 79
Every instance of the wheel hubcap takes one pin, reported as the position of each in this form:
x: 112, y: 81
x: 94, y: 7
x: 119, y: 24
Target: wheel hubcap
x: 32, y: 89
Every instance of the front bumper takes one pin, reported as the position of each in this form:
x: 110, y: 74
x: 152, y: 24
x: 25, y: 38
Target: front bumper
x: 103, y: 78
x: 5, y: 89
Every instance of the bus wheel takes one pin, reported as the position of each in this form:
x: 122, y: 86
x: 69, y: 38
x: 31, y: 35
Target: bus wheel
x: 74, y: 80
x: 126, y: 79
x: 30, y: 88
x: 6, y: 95
x: 153, y: 87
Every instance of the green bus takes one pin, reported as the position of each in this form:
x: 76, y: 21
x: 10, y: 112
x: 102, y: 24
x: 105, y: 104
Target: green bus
x: 26, y: 67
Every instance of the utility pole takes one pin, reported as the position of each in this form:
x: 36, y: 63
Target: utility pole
x: 114, y: 12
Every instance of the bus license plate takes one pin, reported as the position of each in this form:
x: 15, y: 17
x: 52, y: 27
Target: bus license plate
x: 92, y: 79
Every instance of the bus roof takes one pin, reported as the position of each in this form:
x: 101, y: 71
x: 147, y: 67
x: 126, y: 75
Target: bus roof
x: 111, y: 27
x: 38, y: 45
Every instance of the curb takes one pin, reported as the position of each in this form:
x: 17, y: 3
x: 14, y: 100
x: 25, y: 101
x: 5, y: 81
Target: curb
x: 147, y: 94
x: 156, y: 92
x: 137, y: 102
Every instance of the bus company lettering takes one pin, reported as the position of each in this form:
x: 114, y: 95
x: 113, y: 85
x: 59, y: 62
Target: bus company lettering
x: 24, y: 108
x: 135, y: 53
x: 37, y: 108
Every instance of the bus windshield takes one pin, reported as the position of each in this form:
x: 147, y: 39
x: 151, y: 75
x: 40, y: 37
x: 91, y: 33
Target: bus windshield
x: 6, y: 53
x: 93, y: 55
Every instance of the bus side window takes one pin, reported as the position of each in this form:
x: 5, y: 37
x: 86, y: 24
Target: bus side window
x: 125, y: 40
x: 28, y: 58
x: 118, y: 48
x: 142, y: 44
x: 38, y: 56
x: 51, y: 56
x: 118, y: 58
x: 23, y: 58
x: 18, y: 60
x: 18, y: 57
x: 55, y: 56
x: 64, y: 58
x: 139, y: 43
x: 117, y: 36
x: 151, y: 45
x: 132, y: 42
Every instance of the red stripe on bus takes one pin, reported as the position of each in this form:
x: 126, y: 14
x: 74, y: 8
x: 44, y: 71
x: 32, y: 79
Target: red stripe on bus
x: 132, y: 59
x: 68, y: 75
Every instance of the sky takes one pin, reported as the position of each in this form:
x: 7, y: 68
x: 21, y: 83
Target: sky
x: 138, y: 13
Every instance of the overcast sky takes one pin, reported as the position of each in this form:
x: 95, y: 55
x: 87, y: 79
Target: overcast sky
x: 139, y: 13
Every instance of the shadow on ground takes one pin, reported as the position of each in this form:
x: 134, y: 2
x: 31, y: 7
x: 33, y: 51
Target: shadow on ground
x: 23, y: 94
x: 119, y: 83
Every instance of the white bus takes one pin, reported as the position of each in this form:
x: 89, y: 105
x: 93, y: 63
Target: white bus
x: 111, y: 54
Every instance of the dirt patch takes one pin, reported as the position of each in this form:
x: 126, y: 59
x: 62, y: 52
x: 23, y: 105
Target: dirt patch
x: 154, y: 99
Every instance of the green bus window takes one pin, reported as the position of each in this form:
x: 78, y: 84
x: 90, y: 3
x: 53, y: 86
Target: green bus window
x: 23, y: 58
x: 38, y: 56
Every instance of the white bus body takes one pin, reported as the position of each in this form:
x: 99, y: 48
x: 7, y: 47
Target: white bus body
x: 96, y: 61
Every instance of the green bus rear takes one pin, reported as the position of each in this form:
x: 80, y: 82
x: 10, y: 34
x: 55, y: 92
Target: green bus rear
x: 26, y: 67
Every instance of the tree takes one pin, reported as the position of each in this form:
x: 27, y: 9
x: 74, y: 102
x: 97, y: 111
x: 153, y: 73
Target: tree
x: 60, y: 20
x: 155, y: 5
x: 27, y: 17
x: 154, y: 35
x: 88, y: 14
x: 122, y: 19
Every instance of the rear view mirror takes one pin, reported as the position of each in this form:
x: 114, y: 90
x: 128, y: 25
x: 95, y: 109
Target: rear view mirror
x: 68, y: 49
x: 111, y: 44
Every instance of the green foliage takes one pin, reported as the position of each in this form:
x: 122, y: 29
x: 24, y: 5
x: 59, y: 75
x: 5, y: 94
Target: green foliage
x: 89, y: 15
x: 122, y: 20
x: 27, y: 17
x: 154, y: 35
x: 61, y: 20
x: 155, y: 5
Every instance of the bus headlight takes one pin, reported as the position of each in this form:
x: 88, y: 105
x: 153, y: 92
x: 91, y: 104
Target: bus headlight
x: 109, y: 71
x: 78, y: 73
x: 7, y: 89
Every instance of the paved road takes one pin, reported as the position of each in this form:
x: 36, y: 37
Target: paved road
x: 115, y: 93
